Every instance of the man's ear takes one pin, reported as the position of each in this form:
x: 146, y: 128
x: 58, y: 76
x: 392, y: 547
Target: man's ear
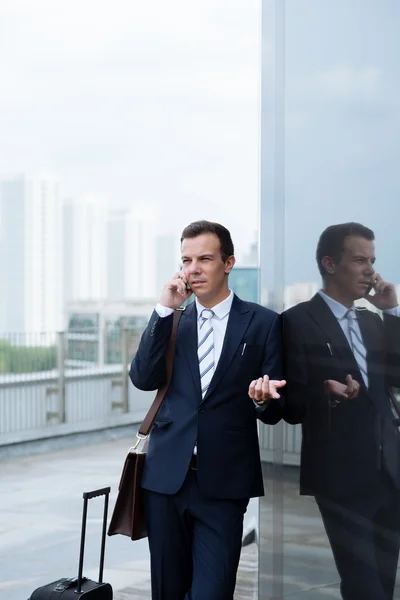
x: 328, y: 265
x: 229, y: 264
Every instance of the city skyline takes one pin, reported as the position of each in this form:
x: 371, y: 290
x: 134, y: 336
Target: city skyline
x: 55, y: 252
x: 106, y: 255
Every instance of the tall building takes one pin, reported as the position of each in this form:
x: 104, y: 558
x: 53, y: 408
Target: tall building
x: 131, y: 263
x: 30, y: 255
x: 85, y: 249
x: 116, y: 257
x: 167, y: 259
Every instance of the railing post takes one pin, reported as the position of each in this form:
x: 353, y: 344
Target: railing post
x: 102, y: 345
x: 125, y: 374
x: 61, y: 374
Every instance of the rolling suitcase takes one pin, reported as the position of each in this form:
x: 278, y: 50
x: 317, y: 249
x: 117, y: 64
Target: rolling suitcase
x: 81, y: 588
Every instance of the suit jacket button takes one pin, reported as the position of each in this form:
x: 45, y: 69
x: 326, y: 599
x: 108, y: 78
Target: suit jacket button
x: 201, y: 410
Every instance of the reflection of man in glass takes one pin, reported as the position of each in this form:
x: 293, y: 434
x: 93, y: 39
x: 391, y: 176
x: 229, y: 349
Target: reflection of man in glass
x: 340, y: 364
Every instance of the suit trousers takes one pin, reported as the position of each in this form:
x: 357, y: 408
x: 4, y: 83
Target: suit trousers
x: 365, y: 540
x: 195, y: 543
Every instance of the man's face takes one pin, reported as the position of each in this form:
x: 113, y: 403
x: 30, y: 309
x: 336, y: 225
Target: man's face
x: 204, y: 268
x: 353, y: 274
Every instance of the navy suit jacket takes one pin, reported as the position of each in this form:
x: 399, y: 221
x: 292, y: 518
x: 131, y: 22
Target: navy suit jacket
x: 223, y: 424
x: 345, y: 446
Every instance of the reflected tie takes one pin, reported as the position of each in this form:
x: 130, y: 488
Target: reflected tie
x: 357, y: 345
x: 205, y: 349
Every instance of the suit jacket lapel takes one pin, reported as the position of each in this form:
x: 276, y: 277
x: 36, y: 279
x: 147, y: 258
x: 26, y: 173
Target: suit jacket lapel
x: 187, y: 339
x: 238, y: 321
x: 324, y: 317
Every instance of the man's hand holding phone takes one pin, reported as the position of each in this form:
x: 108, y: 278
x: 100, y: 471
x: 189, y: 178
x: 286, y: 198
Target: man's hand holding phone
x: 176, y: 291
x: 385, y: 293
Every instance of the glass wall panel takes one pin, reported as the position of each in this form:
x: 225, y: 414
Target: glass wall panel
x: 330, y: 146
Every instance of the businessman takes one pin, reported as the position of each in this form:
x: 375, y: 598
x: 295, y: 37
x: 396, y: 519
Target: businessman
x: 203, y: 462
x: 340, y: 364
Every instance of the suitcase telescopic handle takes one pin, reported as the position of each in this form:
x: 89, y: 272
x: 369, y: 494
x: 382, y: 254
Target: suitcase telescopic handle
x: 86, y: 497
x: 102, y: 492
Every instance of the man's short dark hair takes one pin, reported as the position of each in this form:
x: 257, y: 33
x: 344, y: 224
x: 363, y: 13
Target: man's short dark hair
x: 331, y: 241
x: 200, y: 227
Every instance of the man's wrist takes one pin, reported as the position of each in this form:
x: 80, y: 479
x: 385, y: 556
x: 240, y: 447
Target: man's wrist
x: 163, y: 311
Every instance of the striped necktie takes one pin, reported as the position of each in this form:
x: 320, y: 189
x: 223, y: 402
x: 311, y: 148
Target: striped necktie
x: 357, y: 345
x: 205, y: 349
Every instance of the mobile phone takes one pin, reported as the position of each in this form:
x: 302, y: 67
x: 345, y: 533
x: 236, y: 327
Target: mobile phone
x: 187, y: 285
x: 369, y: 288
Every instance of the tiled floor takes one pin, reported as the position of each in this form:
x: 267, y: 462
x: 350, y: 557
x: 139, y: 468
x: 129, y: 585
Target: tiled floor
x: 296, y: 560
x: 40, y: 517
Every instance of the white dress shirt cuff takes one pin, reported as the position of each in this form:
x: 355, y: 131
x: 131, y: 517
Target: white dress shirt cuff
x: 260, y: 407
x: 395, y: 311
x: 163, y: 311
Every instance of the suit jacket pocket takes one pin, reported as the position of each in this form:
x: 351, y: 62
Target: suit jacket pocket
x: 162, y: 424
x: 250, y: 353
x: 237, y: 429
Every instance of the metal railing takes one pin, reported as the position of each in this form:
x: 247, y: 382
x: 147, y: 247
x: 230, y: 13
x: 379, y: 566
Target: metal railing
x: 60, y: 393
x: 67, y: 382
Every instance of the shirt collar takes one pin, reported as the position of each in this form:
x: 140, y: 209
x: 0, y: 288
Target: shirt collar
x: 339, y: 310
x: 221, y: 309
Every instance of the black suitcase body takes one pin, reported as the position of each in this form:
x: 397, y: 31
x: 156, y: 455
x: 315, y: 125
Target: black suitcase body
x: 66, y: 589
x: 81, y: 588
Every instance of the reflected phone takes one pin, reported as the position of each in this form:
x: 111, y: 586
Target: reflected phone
x: 369, y: 288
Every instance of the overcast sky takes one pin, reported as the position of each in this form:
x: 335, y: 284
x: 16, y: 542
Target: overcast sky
x: 137, y: 102
x: 342, y: 126
x: 157, y: 103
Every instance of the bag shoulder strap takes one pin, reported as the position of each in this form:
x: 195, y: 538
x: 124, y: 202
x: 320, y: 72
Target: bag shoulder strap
x: 169, y: 364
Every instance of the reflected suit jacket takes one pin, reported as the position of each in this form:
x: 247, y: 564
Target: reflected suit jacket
x: 345, y: 446
x: 222, y: 424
